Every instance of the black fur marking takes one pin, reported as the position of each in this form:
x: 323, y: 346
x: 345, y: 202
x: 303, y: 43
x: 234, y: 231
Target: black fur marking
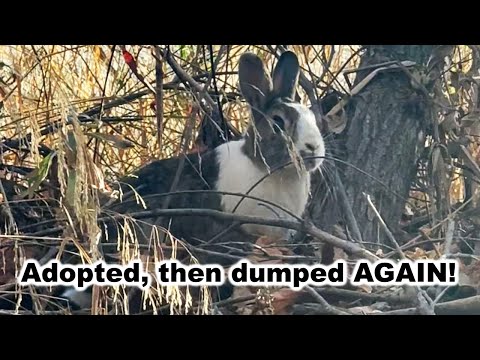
x: 199, y: 173
x: 270, y: 147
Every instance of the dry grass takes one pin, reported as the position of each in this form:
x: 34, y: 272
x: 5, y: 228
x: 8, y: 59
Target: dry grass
x: 44, y: 90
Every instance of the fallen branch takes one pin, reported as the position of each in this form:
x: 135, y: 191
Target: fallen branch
x: 311, y: 309
x: 309, y: 228
x: 326, y: 307
x: 357, y: 295
x: 467, y: 306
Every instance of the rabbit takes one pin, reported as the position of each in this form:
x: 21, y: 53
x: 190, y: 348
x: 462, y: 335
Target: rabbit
x: 281, y: 130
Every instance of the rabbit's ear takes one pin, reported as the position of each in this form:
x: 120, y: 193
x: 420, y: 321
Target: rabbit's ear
x: 255, y: 82
x: 285, y: 75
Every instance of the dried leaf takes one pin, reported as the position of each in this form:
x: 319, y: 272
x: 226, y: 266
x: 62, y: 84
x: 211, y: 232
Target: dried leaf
x: 248, y: 310
x: 417, y: 254
x: 99, y: 179
x: 265, y: 241
x: 366, y: 288
x: 264, y: 247
x: 337, y: 122
x: 283, y: 299
x: 363, y: 310
x: 99, y: 54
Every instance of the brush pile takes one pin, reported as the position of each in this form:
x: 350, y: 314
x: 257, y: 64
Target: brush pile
x: 74, y: 119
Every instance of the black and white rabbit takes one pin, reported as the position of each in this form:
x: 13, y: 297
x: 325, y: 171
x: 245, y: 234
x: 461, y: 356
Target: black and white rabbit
x: 281, y: 130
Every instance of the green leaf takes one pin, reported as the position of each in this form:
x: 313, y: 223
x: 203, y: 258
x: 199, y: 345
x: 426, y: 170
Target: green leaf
x: 36, y: 177
x: 185, y: 52
x: 70, y: 195
x: 115, y: 140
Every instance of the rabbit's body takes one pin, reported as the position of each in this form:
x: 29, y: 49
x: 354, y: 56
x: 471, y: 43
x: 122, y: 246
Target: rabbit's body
x: 227, y: 168
x: 287, y: 188
x: 199, y: 173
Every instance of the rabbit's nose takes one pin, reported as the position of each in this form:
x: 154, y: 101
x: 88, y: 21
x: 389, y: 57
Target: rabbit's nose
x: 311, y: 147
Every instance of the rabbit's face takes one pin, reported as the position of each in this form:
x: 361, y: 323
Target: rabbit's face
x: 287, y: 132
x: 283, y: 129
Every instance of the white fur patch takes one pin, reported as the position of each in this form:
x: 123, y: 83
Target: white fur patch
x: 308, y: 132
x: 238, y: 174
x: 288, y: 188
x: 83, y: 299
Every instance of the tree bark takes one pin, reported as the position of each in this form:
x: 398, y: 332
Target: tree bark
x: 385, y: 133
x: 387, y: 123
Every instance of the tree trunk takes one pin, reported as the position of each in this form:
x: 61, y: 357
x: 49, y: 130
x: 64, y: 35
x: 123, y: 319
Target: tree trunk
x: 387, y: 123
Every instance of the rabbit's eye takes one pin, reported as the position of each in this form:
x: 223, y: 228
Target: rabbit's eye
x: 279, y: 121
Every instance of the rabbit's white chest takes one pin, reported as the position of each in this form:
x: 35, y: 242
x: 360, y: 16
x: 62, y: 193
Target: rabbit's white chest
x: 237, y: 173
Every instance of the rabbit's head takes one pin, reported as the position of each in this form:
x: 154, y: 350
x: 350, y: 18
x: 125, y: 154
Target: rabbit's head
x: 282, y: 129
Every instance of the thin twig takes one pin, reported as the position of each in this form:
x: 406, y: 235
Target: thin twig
x: 159, y: 97
x: 188, y: 132
x: 243, y: 219
x: 185, y: 76
x: 347, y: 208
x: 326, y: 306
x: 12, y: 225
x: 413, y: 241
x: 385, y: 227
x: 425, y: 303
x: 358, y: 295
